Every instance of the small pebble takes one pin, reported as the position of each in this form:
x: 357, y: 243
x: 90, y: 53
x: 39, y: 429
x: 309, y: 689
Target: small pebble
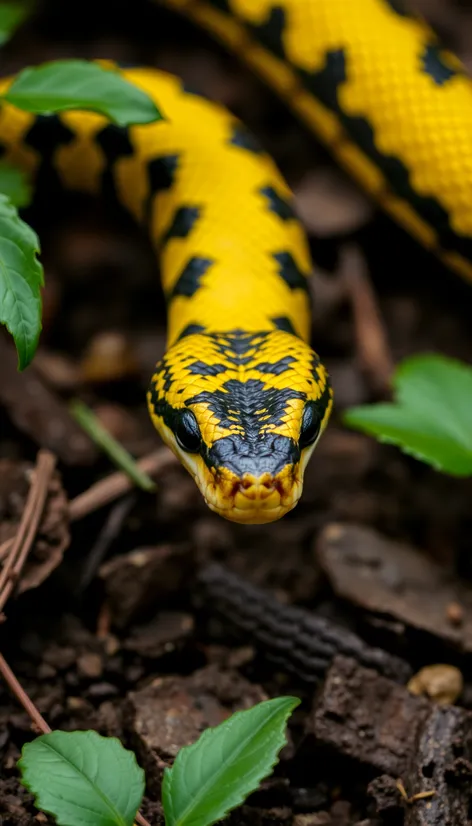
x: 46, y: 672
x: 90, y: 665
x: 102, y: 690
x: 108, y: 358
x: 443, y: 684
x: 455, y: 613
x: 313, y: 819
x: 76, y: 703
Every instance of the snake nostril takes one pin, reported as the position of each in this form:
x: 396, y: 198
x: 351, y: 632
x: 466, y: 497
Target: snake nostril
x: 255, y: 486
x: 269, y: 484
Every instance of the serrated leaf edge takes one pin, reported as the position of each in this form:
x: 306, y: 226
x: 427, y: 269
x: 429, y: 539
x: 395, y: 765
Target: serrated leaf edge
x: 202, y: 743
x: 25, y: 782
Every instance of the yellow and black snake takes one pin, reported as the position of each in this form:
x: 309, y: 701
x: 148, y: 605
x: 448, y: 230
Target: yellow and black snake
x: 239, y: 395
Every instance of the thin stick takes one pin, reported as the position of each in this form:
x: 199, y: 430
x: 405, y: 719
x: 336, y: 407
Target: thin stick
x: 22, y: 697
x: 108, y: 489
x: 5, y: 548
x: 117, y: 484
x: 372, y: 344
x: 108, y: 533
x: 27, y: 529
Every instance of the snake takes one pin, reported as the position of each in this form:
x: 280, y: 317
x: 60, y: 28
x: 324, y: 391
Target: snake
x: 240, y: 396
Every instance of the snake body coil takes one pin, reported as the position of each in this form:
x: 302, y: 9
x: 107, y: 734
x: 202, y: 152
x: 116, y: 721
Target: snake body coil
x: 240, y: 396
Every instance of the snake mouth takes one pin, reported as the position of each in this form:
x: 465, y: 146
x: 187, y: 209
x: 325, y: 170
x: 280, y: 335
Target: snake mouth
x: 254, y: 500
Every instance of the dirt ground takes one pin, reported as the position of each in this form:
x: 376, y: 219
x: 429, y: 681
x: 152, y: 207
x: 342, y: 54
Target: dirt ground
x: 162, y: 619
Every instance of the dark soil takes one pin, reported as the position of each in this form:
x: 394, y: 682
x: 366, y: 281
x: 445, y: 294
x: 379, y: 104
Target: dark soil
x: 134, y: 630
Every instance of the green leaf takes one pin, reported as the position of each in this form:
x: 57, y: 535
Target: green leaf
x: 11, y: 17
x: 80, y: 84
x: 217, y: 772
x: 15, y: 185
x: 87, y: 419
x: 431, y: 418
x: 83, y: 779
x: 21, y: 278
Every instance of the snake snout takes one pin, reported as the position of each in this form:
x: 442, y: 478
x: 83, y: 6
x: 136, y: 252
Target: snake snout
x: 256, y: 488
x: 254, y: 481
x: 257, y: 494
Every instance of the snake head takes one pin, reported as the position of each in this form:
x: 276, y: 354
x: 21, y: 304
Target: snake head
x: 243, y: 411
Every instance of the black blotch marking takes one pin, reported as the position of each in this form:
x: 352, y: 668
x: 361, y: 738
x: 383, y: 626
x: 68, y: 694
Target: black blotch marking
x: 324, y: 85
x: 275, y: 368
x: 115, y: 143
x: 284, y: 324
x: 182, y: 223
x: 240, y: 342
x: 221, y: 5
x: 201, y: 369
x: 433, y: 63
x: 188, y: 281
x: 289, y: 271
x: 47, y: 134
x: 161, y: 172
x: 398, y: 6
x: 191, y: 330
x: 242, y: 400
x: 235, y: 345
x: 277, y: 204
x: 270, y: 32
x: 161, y: 175
x: 244, y: 139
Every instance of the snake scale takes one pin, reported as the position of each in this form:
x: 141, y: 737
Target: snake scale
x: 239, y: 395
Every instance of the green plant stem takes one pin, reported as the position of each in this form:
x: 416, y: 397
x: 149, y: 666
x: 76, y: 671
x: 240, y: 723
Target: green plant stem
x: 87, y: 419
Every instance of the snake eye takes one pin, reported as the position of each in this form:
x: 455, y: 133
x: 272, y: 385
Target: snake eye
x: 187, y: 432
x: 310, y: 428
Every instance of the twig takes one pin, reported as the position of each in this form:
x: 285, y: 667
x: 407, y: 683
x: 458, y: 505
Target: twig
x: 117, y: 484
x: 22, y: 697
x: 5, y: 548
x: 414, y: 798
x: 98, y: 495
x: 371, y: 337
x: 27, y: 529
x: 109, y: 531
